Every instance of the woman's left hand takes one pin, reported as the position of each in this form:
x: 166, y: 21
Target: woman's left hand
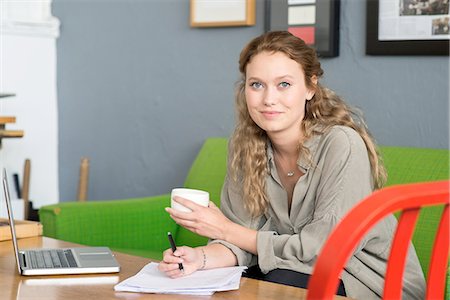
x: 206, y: 221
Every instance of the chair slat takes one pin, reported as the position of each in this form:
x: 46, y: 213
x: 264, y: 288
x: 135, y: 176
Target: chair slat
x: 397, y: 257
x: 439, y: 259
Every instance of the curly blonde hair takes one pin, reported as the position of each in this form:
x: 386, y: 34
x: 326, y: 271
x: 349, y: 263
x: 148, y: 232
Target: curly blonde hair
x: 248, y: 157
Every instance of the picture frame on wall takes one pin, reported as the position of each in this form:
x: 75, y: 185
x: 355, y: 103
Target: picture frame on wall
x: 220, y: 13
x: 314, y: 21
x: 407, y: 27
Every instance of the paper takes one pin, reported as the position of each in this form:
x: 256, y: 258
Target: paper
x: 150, y: 280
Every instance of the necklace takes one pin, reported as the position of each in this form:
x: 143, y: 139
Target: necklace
x: 289, y: 173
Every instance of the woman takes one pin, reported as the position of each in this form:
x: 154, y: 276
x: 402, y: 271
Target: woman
x: 299, y: 160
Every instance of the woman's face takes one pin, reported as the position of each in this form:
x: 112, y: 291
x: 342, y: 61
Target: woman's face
x: 276, y: 93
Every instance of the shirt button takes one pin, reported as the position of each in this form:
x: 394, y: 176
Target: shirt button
x: 291, y: 229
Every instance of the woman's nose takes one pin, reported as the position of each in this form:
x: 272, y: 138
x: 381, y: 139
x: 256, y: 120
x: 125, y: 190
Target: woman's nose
x: 270, y: 97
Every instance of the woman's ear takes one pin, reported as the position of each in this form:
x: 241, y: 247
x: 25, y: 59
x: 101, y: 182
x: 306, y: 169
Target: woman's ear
x: 310, y: 93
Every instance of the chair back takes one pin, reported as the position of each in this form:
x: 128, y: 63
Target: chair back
x: 408, y: 199
x: 206, y: 173
x: 209, y: 168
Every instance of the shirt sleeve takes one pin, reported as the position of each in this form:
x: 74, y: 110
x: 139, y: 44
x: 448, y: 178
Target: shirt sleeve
x: 341, y: 178
x: 232, y: 206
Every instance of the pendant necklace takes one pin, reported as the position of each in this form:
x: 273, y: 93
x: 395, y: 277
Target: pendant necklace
x: 289, y: 173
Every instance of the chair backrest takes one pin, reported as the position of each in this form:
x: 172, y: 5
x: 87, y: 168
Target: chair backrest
x: 209, y: 168
x: 348, y: 233
x: 412, y: 164
x: 207, y: 173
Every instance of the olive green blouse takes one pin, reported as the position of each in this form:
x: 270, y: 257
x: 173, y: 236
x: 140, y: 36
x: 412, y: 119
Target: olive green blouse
x: 337, y: 178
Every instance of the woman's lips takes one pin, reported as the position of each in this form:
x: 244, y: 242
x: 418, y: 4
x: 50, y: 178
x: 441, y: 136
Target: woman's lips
x: 270, y: 114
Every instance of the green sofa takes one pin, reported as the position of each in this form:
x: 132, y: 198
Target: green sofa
x: 139, y: 226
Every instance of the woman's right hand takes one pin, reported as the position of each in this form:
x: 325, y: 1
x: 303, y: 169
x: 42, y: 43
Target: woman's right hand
x: 191, y: 258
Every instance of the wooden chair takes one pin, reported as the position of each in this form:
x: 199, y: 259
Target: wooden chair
x: 408, y: 199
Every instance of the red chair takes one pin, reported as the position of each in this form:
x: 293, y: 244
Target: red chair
x: 345, y: 237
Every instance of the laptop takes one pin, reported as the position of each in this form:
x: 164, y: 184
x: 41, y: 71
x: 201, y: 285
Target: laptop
x: 83, y: 260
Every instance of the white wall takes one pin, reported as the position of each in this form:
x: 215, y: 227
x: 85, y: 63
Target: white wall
x: 28, y: 35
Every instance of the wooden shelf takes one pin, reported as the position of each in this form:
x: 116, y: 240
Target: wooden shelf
x: 11, y: 134
x: 6, y: 120
x: 4, y: 133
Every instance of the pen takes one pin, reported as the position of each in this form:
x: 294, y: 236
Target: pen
x: 17, y: 186
x: 174, y: 248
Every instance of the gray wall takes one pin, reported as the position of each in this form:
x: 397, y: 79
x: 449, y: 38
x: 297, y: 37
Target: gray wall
x: 139, y: 91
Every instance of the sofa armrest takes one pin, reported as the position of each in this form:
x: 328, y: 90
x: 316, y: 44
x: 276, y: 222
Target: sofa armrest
x: 134, y: 224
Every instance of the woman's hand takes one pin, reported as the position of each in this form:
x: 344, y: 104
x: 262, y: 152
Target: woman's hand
x: 191, y: 258
x: 206, y: 221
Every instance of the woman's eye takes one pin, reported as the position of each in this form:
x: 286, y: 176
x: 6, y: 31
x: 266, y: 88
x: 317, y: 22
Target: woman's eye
x: 256, y: 85
x: 285, y: 84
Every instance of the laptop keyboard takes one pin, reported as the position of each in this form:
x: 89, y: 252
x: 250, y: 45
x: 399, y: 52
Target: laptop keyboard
x: 50, y: 259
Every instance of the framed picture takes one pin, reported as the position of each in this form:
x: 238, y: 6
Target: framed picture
x: 220, y: 13
x: 314, y: 21
x: 408, y: 27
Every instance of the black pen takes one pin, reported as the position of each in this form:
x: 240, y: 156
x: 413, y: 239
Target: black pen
x: 174, y: 248
x: 17, y: 186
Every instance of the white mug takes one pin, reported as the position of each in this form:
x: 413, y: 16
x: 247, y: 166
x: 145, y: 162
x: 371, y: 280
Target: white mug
x: 197, y: 196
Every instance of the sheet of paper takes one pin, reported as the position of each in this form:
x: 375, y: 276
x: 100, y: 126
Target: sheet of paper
x: 150, y: 280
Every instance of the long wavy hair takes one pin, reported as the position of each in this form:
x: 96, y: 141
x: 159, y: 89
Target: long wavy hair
x: 248, y: 159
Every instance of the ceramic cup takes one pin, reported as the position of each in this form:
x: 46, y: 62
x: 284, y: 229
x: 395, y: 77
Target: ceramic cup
x: 197, y: 196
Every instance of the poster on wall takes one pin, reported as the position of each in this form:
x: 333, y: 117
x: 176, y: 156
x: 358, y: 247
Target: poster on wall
x: 314, y: 21
x: 413, y: 20
x: 419, y: 27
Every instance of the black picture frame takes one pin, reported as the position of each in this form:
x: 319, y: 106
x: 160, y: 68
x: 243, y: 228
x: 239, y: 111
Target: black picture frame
x: 401, y: 47
x: 326, y: 26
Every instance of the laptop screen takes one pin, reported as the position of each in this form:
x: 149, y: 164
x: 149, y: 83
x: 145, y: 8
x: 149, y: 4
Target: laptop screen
x: 11, y: 218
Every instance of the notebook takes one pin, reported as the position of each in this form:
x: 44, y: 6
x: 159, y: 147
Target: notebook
x: 81, y: 260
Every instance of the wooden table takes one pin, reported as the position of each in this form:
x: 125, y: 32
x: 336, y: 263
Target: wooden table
x: 100, y: 286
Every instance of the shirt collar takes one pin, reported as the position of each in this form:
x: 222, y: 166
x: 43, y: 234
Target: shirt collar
x: 302, y: 162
